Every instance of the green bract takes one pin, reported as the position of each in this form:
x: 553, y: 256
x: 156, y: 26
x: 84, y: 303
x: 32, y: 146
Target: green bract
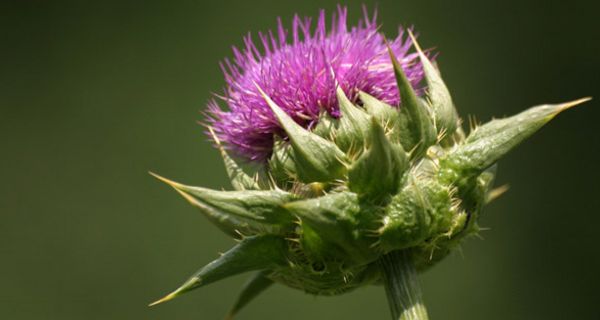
x: 333, y: 200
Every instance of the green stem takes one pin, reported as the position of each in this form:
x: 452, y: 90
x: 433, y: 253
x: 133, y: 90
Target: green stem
x: 402, y: 287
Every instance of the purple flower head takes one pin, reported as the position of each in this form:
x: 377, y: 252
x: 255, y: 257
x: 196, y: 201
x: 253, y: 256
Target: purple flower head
x: 301, y: 77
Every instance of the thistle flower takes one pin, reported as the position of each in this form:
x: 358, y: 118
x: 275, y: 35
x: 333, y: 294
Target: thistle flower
x: 362, y: 180
x: 301, y: 77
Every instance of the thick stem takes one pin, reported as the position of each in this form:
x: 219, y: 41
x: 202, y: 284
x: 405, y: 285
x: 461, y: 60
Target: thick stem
x: 402, y: 287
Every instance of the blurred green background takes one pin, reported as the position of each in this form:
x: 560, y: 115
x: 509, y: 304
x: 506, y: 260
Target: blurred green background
x: 95, y: 94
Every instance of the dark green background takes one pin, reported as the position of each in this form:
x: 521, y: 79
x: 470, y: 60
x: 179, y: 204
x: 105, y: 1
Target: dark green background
x: 93, y: 95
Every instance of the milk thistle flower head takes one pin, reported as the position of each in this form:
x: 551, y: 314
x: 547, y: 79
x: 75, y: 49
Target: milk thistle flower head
x: 365, y: 176
x: 300, y: 73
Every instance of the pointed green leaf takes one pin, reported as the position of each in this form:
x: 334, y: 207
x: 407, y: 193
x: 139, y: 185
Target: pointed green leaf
x: 260, y: 206
x: 316, y: 159
x: 353, y: 128
x: 446, y: 117
x: 489, y: 142
x: 341, y: 219
x: 255, y: 286
x: 417, y: 132
x: 252, y: 253
x: 239, y: 179
x: 229, y: 224
x: 255, y: 209
x: 378, y: 172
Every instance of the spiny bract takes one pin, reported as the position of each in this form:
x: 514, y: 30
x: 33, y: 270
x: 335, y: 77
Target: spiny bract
x: 375, y: 178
